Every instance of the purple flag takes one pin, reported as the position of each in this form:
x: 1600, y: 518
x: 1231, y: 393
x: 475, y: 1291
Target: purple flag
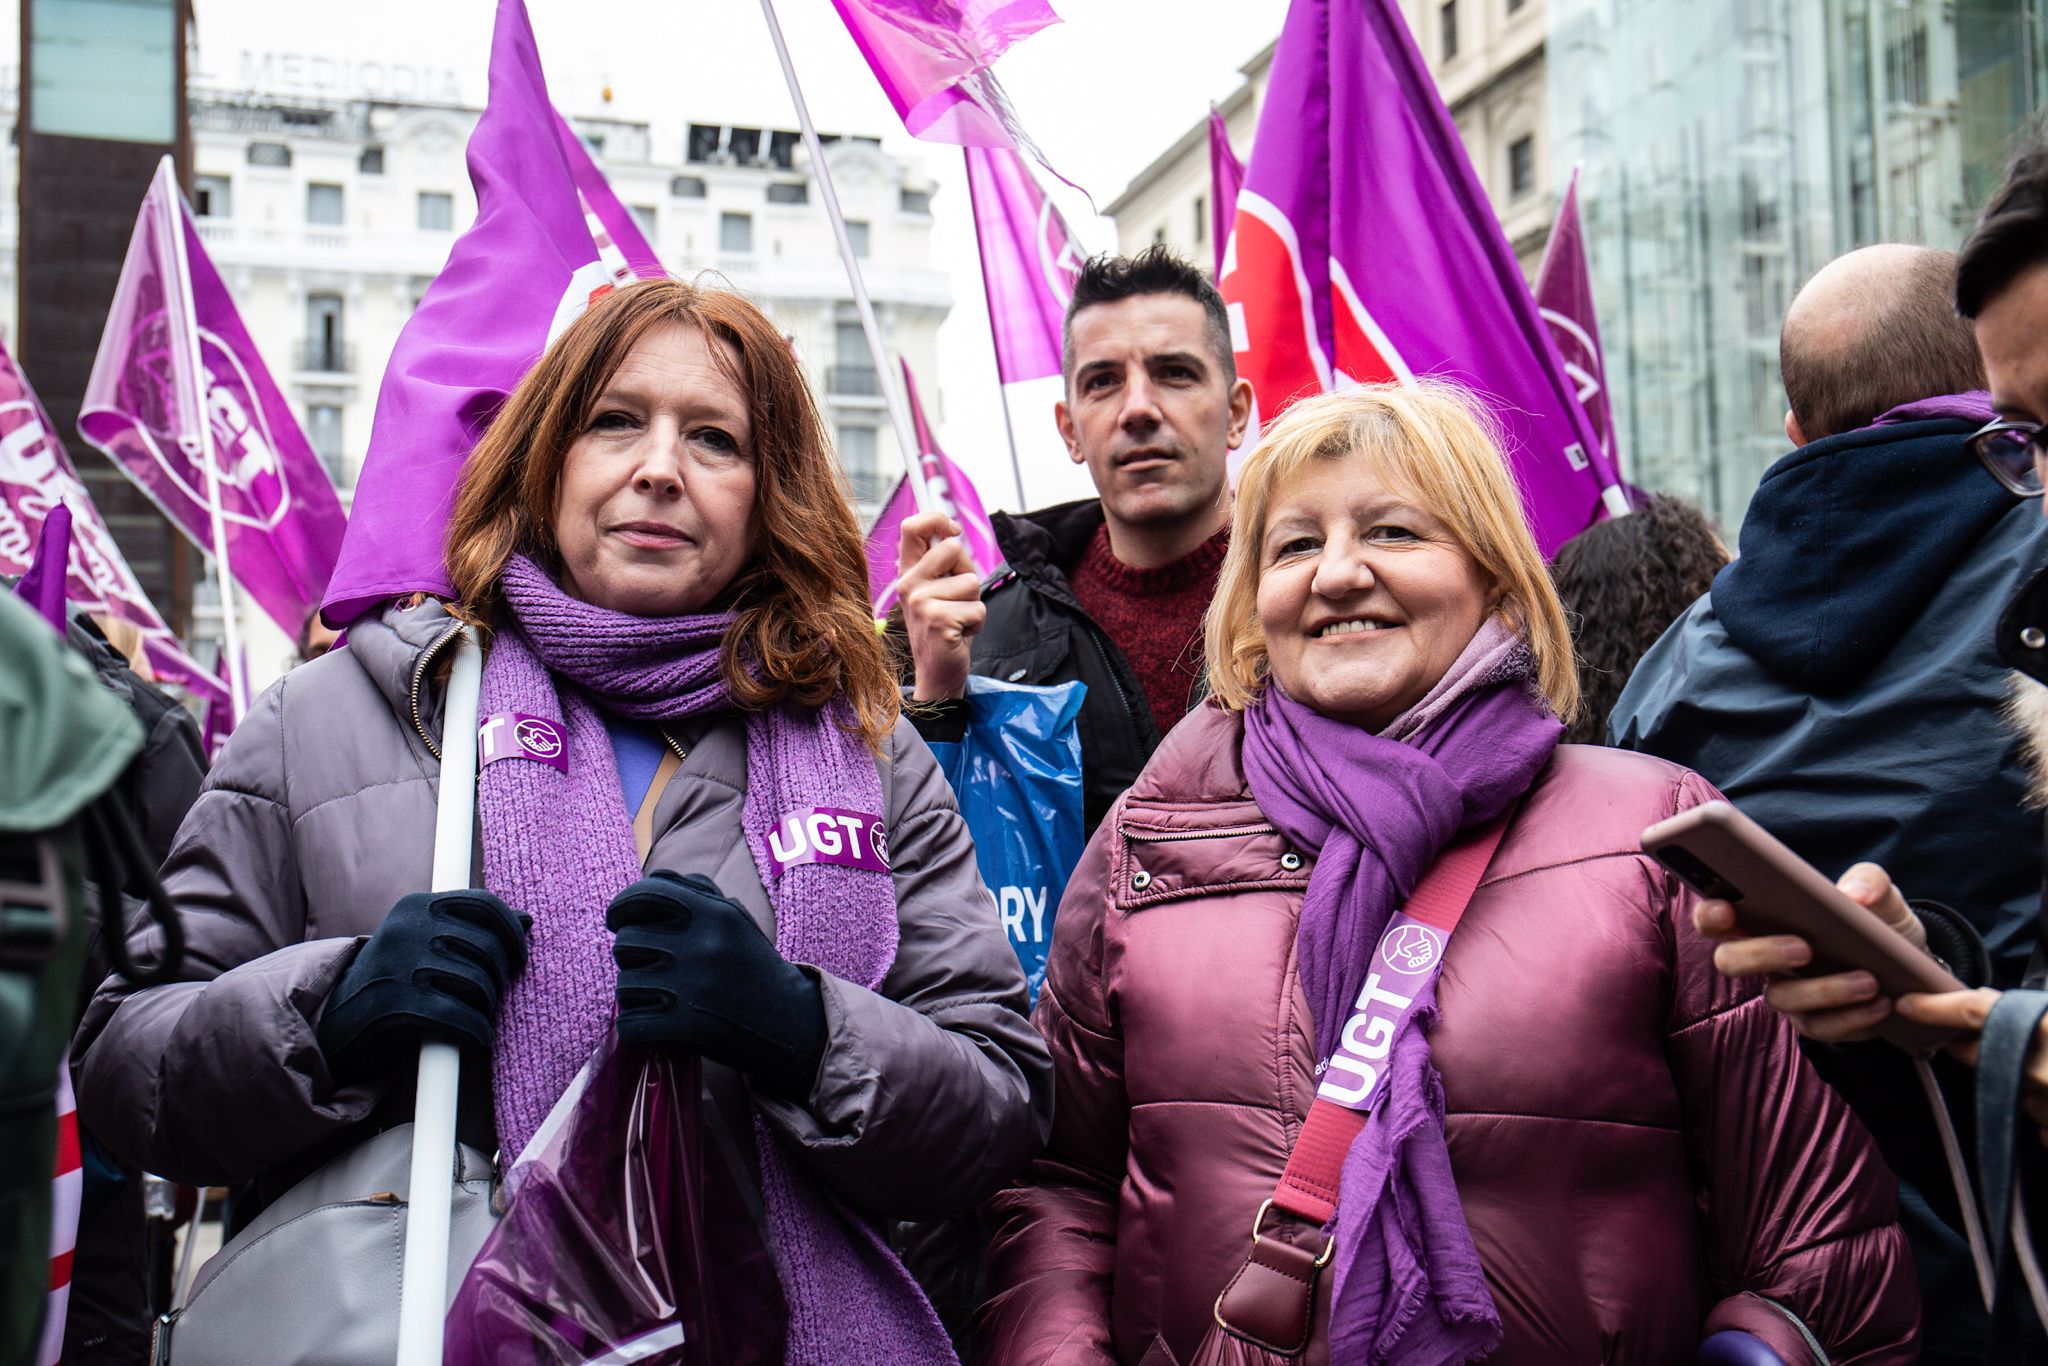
x: 43, y: 586
x: 1364, y: 250
x: 36, y: 479
x: 524, y: 271
x: 220, y: 716
x: 177, y: 376
x: 617, y: 237
x: 933, y: 58
x: 1029, y: 261
x: 1564, y: 297
x: 1226, y: 177
x: 952, y: 493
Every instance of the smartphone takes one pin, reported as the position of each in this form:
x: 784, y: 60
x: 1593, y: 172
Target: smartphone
x: 1721, y: 853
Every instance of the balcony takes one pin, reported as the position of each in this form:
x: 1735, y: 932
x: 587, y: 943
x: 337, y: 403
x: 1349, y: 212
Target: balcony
x: 319, y: 356
x: 853, y: 381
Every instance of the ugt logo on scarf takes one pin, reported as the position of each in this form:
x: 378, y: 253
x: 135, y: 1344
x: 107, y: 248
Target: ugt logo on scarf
x: 829, y: 834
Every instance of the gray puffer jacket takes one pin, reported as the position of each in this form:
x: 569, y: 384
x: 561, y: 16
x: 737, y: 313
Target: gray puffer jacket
x: 319, y: 815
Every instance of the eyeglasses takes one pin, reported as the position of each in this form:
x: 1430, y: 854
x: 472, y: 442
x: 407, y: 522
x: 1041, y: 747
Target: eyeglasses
x: 2009, y: 448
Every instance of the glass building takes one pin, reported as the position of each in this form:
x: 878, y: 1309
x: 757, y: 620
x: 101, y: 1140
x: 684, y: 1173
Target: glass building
x: 1731, y: 148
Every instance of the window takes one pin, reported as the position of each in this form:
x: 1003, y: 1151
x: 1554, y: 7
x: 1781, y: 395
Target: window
x: 1522, y: 166
x: 323, y: 204
x: 269, y: 154
x: 1514, y: 5
x: 916, y: 201
x: 643, y: 219
x: 323, y: 350
x: 371, y: 162
x: 437, y: 211
x: 687, y: 187
x: 857, y: 233
x: 788, y: 192
x: 323, y: 429
x: 595, y: 142
x: 853, y: 365
x: 1447, y: 31
x: 1201, y: 219
x: 210, y: 197
x: 736, y: 232
x: 858, y: 456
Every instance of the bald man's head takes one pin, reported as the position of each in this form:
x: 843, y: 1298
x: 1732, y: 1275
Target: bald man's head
x: 1872, y: 330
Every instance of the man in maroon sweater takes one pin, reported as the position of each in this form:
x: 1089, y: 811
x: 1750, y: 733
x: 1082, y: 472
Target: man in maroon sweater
x: 1110, y: 590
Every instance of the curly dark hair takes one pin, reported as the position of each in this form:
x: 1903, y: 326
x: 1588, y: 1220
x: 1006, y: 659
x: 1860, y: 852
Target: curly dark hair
x: 1624, y: 581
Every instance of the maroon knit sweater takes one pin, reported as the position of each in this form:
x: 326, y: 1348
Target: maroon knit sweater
x: 1153, y: 615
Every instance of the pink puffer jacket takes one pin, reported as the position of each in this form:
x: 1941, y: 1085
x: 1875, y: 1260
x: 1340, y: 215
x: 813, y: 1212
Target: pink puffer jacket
x: 1642, y: 1154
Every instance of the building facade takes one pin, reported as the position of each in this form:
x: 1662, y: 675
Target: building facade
x: 1733, y: 148
x: 1488, y: 60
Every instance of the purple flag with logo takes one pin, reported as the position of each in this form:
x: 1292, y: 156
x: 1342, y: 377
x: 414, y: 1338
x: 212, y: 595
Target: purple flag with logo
x: 1365, y: 250
x: 1029, y: 261
x: 177, y: 377
x: 37, y: 479
x: 952, y: 492
x: 525, y: 270
x: 933, y: 58
x: 1564, y: 297
x: 1226, y: 177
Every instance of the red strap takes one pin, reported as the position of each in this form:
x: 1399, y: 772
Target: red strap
x: 1308, y: 1188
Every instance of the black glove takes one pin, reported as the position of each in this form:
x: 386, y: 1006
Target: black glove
x: 695, y: 970
x: 435, y: 969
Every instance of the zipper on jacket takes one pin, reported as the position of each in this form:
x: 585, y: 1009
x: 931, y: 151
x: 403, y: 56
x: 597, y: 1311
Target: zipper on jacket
x: 1102, y: 648
x: 419, y: 673
x: 1176, y: 836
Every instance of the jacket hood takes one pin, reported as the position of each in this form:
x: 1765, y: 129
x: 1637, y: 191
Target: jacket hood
x: 390, y: 647
x: 1846, y: 541
x: 1045, y: 544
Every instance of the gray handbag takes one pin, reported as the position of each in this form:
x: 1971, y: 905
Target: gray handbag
x: 314, y: 1277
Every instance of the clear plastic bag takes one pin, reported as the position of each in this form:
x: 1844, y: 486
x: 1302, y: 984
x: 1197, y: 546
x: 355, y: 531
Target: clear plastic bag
x: 631, y: 1235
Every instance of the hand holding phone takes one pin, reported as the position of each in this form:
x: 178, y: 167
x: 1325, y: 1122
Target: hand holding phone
x: 1835, y: 964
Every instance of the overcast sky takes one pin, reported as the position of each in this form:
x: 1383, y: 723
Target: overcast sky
x: 1103, y: 93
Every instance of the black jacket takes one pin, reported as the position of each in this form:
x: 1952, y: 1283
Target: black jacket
x: 1842, y: 685
x: 1038, y: 632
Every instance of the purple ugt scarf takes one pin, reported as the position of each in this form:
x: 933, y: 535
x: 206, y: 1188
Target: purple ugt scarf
x: 1376, y: 809
x: 559, y: 846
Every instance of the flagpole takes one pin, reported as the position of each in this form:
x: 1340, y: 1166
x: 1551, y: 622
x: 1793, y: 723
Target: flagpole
x: 1009, y: 432
x: 899, y: 417
x: 174, y: 228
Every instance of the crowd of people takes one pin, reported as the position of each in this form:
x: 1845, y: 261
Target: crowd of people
x: 1267, y: 1101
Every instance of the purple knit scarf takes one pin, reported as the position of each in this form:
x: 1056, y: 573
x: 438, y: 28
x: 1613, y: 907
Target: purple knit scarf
x: 559, y: 846
x: 1376, y: 809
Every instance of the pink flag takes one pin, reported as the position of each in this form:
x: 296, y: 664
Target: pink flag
x: 952, y: 493
x: 178, y: 382
x: 524, y: 271
x: 43, y: 586
x: 1365, y: 250
x: 933, y: 58
x: 620, y: 243
x: 1564, y: 296
x: 36, y: 478
x: 220, y: 717
x: 1226, y: 177
x: 1029, y: 261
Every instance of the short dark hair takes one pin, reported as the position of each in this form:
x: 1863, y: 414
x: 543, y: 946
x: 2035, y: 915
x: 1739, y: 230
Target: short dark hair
x: 1910, y: 346
x: 2011, y: 237
x: 1107, y: 278
x: 1623, y: 581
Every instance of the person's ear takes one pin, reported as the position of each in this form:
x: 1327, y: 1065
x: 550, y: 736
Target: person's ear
x: 1240, y: 412
x: 1065, y: 419
x: 1793, y: 433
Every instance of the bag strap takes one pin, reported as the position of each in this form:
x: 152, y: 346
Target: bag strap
x: 1308, y: 1187
x: 2001, y: 1073
x: 1270, y: 1300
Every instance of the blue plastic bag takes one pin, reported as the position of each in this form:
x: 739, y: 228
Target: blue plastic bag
x: 1017, y: 777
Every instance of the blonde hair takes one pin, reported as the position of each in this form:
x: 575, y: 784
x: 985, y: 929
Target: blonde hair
x: 1432, y: 442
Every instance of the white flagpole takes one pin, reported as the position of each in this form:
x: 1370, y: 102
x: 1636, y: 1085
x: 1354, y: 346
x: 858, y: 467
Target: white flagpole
x: 899, y: 416
x: 423, y: 1284
x: 171, y: 225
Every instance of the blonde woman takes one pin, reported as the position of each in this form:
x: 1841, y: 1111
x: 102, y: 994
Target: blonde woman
x: 1582, y: 1143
